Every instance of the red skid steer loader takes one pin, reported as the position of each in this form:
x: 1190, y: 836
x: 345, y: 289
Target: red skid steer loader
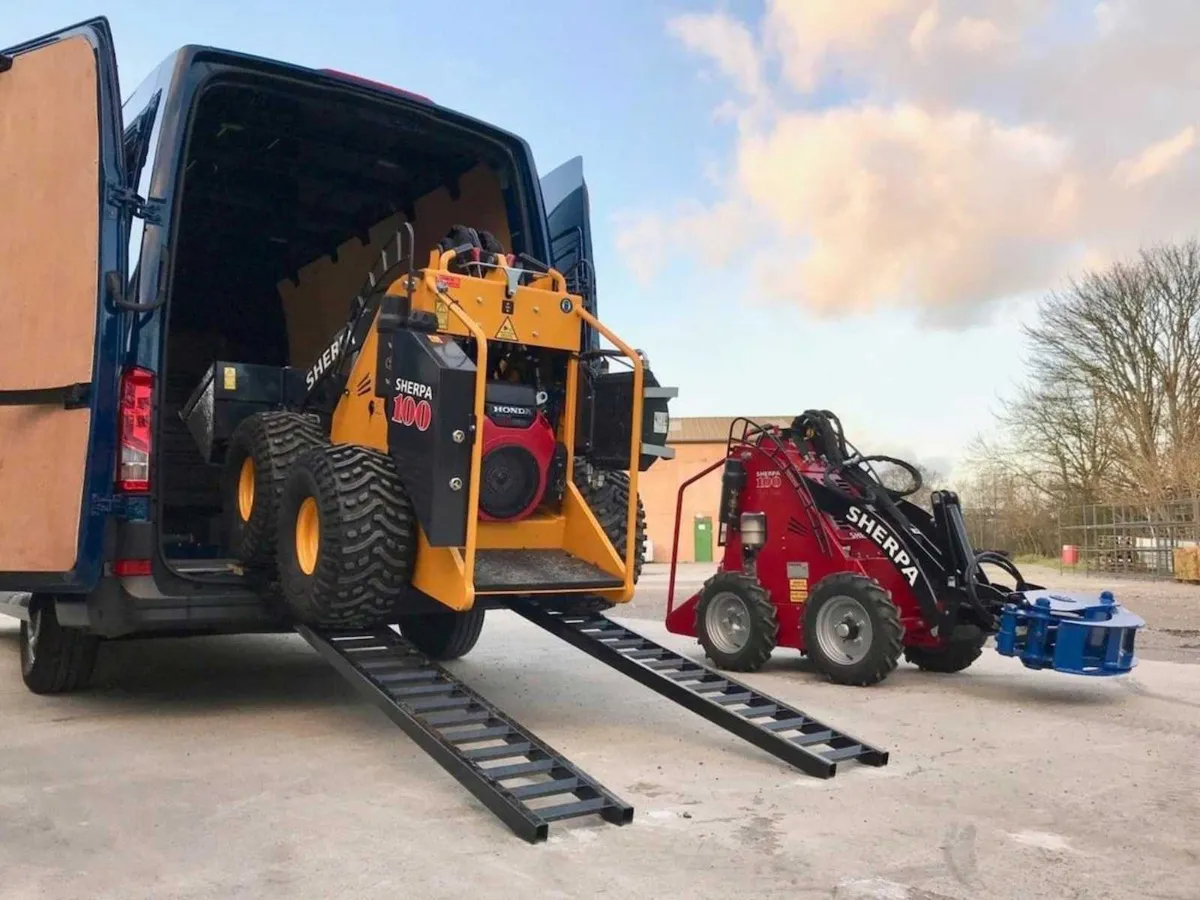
x: 821, y: 556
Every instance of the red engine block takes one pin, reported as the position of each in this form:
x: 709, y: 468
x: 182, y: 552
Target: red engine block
x: 517, y: 456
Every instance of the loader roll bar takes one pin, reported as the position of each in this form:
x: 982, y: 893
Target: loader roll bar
x: 481, y: 371
x: 635, y: 433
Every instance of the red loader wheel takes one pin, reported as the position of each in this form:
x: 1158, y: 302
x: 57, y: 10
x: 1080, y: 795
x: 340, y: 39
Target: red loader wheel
x: 947, y: 659
x: 852, y: 630
x: 736, y: 622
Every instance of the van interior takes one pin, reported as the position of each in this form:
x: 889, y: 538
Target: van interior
x: 289, y: 194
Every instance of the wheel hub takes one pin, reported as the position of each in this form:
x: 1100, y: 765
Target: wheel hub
x: 843, y: 630
x: 728, y: 622
x: 245, y: 489
x: 308, y: 536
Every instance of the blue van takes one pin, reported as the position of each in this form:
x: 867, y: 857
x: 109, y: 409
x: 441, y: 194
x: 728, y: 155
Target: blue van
x: 203, y: 219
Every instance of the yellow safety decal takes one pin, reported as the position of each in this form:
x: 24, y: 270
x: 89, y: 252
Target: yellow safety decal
x: 797, y: 589
x: 443, y: 315
x: 230, y: 378
x: 507, y: 332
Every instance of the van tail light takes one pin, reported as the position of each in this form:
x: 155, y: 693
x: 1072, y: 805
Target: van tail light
x: 133, y: 471
x: 130, y: 567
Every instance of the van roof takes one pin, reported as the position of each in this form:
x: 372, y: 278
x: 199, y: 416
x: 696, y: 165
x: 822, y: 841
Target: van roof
x: 188, y: 54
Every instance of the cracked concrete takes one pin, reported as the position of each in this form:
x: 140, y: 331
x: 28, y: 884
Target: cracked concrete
x: 245, y: 767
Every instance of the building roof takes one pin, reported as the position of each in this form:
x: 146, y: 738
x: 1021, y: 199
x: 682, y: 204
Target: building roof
x: 713, y: 429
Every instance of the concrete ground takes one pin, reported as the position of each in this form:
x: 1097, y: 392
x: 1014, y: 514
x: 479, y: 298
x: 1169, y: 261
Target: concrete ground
x: 245, y: 767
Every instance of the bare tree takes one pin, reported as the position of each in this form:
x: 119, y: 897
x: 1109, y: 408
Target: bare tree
x: 1113, y: 404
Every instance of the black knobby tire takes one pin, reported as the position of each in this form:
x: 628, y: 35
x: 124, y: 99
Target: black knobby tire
x: 865, y: 603
x: 54, y: 659
x: 746, y: 599
x: 444, y: 636
x: 271, y: 442
x: 947, y: 659
x: 367, y: 538
x: 610, y: 505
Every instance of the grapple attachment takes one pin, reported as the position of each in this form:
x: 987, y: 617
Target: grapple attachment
x: 1076, y: 634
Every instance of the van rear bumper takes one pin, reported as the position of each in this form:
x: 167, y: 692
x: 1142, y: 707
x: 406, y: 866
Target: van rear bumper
x: 127, y: 606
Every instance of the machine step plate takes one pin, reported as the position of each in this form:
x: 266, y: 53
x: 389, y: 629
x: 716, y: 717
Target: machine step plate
x: 517, y: 776
x: 514, y: 571
x: 770, y: 724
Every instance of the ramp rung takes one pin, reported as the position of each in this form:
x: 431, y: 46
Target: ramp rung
x: 664, y: 663
x: 453, y: 717
x: 475, y: 735
x: 446, y: 718
x: 546, y: 788
x: 842, y: 753
x: 518, y: 770
x: 355, y: 643
x: 705, y: 691
x: 815, y: 737
x: 757, y: 712
x: 420, y: 689
x: 435, y: 704
x: 500, y: 751
x: 402, y: 677
x: 649, y: 653
x: 570, y: 810
x: 787, y: 724
x: 733, y: 699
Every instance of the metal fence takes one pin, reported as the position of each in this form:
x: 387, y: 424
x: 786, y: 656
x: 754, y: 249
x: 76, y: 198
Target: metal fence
x: 1129, y: 538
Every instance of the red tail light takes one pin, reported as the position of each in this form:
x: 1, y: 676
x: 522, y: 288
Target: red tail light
x: 128, y: 567
x: 133, y: 471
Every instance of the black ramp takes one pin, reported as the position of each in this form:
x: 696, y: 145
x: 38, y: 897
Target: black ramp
x: 517, y: 776
x: 782, y: 730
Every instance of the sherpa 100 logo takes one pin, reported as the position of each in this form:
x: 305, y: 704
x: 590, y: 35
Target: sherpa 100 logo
x: 886, y: 541
x: 407, y: 409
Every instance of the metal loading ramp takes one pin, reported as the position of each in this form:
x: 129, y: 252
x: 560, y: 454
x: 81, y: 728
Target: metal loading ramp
x: 770, y: 724
x: 513, y: 773
x: 519, y: 777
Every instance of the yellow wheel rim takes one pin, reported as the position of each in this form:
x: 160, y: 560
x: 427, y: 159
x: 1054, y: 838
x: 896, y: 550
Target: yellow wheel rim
x: 246, y: 489
x: 308, y: 536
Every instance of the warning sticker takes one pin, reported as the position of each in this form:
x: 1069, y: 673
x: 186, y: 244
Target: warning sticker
x: 506, y: 331
x: 230, y: 374
x: 797, y: 590
x: 443, y: 315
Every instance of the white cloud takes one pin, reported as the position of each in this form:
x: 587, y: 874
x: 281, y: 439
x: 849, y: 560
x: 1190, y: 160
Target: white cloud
x: 987, y: 148
x: 724, y: 40
x: 1157, y: 158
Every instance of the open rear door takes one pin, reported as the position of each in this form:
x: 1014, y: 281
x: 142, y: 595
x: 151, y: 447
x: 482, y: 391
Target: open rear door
x: 60, y: 187
x: 565, y: 196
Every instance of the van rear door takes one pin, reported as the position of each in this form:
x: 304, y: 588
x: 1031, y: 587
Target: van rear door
x: 565, y: 197
x: 64, y: 214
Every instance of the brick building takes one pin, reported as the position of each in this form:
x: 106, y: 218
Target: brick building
x: 698, y: 442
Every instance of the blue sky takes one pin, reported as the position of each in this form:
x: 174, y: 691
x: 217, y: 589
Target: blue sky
x: 608, y: 81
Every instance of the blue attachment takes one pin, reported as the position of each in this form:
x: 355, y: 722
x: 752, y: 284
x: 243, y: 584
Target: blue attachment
x: 1077, y: 634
